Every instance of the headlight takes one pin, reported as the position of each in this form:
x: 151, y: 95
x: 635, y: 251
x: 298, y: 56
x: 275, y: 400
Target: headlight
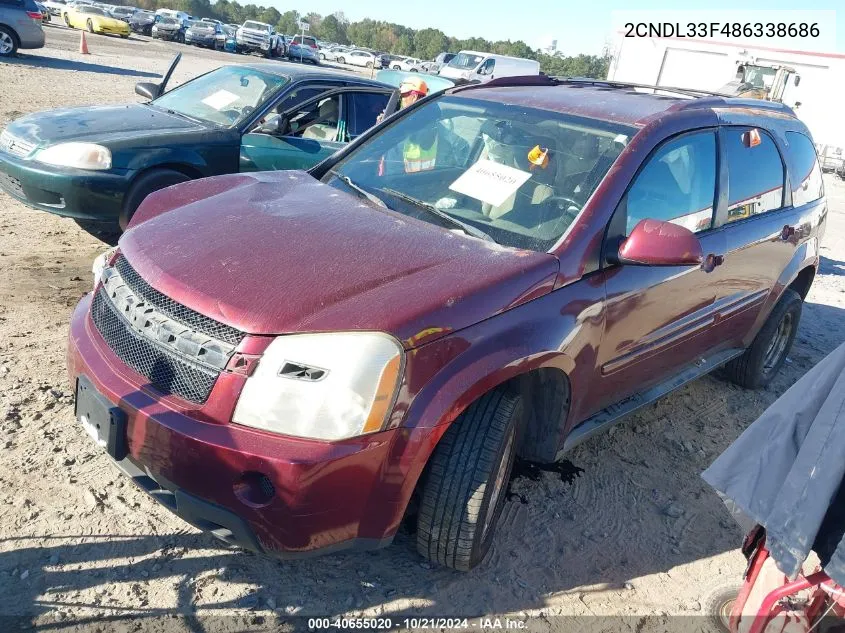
x: 79, y: 155
x: 100, y: 262
x: 323, y: 386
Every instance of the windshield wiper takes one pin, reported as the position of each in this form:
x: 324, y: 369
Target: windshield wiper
x: 466, y: 228
x: 348, y: 182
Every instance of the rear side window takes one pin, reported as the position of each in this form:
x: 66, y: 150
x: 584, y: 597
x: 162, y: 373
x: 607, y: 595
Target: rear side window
x: 807, y: 181
x: 678, y: 184
x: 364, y: 108
x: 755, y: 173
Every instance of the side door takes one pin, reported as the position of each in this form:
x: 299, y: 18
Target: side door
x: 266, y: 148
x: 659, y: 319
x: 765, y: 223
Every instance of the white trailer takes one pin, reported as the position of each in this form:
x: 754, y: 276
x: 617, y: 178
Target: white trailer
x: 818, y: 99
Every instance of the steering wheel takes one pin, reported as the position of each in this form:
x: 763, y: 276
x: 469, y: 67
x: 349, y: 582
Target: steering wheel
x: 234, y: 115
x: 563, y: 202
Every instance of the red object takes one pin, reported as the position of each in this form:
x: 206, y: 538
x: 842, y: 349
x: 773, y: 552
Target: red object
x: 35, y: 15
x: 279, y: 252
x: 771, y: 605
x: 83, y: 44
x: 657, y: 243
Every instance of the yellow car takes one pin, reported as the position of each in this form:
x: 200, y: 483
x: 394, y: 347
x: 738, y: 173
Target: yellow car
x: 95, y: 20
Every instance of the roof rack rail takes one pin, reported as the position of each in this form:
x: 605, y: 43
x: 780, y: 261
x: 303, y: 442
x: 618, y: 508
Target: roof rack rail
x: 688, y: 92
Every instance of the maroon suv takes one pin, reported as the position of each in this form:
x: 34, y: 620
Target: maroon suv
x: 287, y: 359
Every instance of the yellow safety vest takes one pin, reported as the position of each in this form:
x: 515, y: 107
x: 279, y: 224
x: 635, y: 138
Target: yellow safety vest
x: 418, y: 158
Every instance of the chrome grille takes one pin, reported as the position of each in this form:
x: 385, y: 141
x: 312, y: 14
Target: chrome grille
x: 158, y: 337
x: 15, y: 146
x: 174, y: 310
x: 166, y: 372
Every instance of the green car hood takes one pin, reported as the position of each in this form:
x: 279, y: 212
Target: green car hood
x: 101, y: 124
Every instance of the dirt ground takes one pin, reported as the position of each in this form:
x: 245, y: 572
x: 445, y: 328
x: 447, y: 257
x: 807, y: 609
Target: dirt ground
x: 638, y: 534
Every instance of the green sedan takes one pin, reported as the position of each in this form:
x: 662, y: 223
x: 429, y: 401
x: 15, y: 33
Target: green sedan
x: 96, y: 164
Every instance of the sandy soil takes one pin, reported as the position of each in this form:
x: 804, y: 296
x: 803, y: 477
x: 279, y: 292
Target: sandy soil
x: 638, y: 534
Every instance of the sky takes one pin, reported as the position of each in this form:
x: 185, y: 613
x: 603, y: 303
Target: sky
x: 579, y: 27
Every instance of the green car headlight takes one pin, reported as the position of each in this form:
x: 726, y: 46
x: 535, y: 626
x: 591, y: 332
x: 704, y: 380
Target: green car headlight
x: 79, y: 155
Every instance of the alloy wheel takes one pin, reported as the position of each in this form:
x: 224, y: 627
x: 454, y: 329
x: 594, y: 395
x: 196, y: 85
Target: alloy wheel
x: 777, y: 347
x: 6, y: 43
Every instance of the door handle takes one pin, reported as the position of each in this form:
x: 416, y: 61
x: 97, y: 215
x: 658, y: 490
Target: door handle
x: 711, y: 261
x: 787, y: 232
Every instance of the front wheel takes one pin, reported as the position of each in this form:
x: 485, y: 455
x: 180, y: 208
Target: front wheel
x: 143, y: 186
x: 768, y: 351
x: 718, y: 608
x: 467, y: 476
x: 67, y: 21
x: 341, y: 60
x: 90, y: 26
x: 369, y: 64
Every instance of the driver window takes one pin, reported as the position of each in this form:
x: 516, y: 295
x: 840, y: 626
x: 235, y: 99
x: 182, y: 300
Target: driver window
x: 678, y: 184
x: 318, y: 121
x: 487, y: 67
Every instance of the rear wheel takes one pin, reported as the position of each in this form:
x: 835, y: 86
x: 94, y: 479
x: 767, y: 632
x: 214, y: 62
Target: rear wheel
x: 467, y: 476
x: 67, y: 21
x: 369, y: 64
x: 8, y: 42
x: 341, y: 60
x: 90, y: 26
x: 146, y: 184
x: 769, y: 349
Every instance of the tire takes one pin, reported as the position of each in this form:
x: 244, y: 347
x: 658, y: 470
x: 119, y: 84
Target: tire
x: 322, y: 57
x: 143, y: 186
x: 341, y: 60
x: 717, y: 607
x: 89, y: 25
x: 8, y: 42
x: 67, y: 21
x: 414, y: 70
x: 397, y: 67
x: 769, y: 349
x: 125, y: 37
x: 464, y: 489
x: 369, y: 64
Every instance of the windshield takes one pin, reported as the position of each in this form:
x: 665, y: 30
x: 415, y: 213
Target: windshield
x: 91, y: 10
x: 759, y: 76
x: 258, y: 26
x: 518, y: 174
x: 123, y: 10
x: 224, y: 96
x: 465, y: 61
x: 169, y: 21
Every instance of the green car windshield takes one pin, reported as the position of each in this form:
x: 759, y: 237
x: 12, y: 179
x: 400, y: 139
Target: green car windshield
x: 514, y: 174
x: 225, y: 96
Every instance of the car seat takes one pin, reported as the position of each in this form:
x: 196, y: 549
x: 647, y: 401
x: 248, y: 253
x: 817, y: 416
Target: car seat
x: 324, y: 127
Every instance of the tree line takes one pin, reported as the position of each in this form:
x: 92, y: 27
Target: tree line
x: 382, y: 36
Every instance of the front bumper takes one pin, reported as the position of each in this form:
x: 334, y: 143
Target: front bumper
x: 113, y: 30
x: 166, y: 35
x: 74, y: 193
x: 200, y: 40
x: 326, y: 496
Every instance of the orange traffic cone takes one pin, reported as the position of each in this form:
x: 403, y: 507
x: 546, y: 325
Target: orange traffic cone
x: 83, y: 45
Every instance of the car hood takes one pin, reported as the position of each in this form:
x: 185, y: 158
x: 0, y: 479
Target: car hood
x: 168, y: 27
x: 99, y: 124
x: 281, y: 252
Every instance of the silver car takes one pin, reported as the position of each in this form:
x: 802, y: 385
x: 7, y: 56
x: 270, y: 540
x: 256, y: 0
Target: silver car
x: 20, y: 26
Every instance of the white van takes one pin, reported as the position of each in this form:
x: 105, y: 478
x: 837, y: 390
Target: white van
x: 176, y: 15
x: 484, y: 67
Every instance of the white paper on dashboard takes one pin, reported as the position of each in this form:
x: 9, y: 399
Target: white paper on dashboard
x: 490, y: 182
x: 220, y: 99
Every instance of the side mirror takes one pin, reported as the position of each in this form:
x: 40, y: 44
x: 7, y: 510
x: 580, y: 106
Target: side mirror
x: 147, y: 89
x: 274, y: 124
x: 658, y: 243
